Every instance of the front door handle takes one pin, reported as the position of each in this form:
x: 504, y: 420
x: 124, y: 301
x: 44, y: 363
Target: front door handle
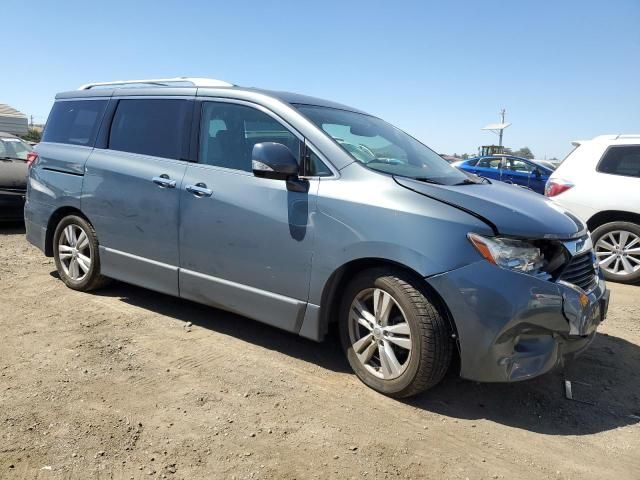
x: 164, y: 181
x: 199, y: 190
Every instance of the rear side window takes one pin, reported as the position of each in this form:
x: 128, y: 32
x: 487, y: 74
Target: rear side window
x: 154, y: 127
x: 494, y: 163
x: 74, y: 122
x: 621, y: 160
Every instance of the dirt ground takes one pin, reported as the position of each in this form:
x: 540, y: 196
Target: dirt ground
x: 117, y: 384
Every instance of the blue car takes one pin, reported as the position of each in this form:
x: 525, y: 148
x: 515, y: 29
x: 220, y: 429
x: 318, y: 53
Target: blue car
x: 509, y: 169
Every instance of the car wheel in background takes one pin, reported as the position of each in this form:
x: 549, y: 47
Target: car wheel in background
x: 75, y: 251
x: 396, y: 339
x: 617, y: 247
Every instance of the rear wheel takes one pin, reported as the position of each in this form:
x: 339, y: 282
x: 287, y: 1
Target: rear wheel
x: 396, y: 340
x: 75, y: 251
x: 617, y: 246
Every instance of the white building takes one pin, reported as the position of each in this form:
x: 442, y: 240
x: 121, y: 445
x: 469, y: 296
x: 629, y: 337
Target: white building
x: 12, y: 121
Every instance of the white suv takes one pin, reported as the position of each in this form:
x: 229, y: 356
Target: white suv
x: 600, y: 182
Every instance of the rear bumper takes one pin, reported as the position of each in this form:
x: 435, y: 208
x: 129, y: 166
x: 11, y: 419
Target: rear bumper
x: 11, y: 206
x: 512, y: 326
x: 36, y: 218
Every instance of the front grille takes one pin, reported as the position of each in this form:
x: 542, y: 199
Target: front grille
x: 580, y: 271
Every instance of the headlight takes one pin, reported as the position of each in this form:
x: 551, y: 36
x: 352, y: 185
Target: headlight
x: 516, y: 255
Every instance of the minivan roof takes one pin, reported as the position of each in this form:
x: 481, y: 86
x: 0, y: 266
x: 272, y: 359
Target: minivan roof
x: 285, y: 97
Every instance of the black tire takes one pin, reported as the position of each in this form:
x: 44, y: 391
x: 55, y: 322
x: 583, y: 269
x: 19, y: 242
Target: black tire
x: 431, y: 336
x: 602, y: 231
x: 92, y: 279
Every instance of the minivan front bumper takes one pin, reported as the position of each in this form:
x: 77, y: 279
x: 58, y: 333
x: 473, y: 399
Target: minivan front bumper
x: 512, y: 326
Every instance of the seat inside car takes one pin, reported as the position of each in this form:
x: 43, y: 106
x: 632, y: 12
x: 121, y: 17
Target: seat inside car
x: 227, y: 149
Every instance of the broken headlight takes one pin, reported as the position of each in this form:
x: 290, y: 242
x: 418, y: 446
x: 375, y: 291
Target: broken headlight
x: 517, y: 255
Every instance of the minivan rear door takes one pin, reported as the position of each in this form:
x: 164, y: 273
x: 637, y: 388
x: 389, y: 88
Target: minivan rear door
x: 131, y: 189
x: 245, y: 242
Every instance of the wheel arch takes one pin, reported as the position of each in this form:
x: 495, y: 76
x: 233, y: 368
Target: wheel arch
x: 608, y: 216
x: 55, y: 218
x: 331, y: 294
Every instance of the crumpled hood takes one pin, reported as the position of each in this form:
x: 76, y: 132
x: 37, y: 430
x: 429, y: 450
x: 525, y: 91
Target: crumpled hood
x: 508, y: 209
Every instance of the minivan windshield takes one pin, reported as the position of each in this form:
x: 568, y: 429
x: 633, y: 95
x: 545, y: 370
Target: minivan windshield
x: 381, y: 146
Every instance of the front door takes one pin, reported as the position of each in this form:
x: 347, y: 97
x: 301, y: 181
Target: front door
x: 489, y: 167
x: 131, y: 191
x: 245, y: 242
x: 538, y: 179
x: 517, y: 171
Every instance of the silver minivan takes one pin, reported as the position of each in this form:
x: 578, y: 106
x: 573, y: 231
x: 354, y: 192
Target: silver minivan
x: 301, y: 213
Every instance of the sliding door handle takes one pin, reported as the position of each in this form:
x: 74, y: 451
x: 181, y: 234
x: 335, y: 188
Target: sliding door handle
x: 199, y: 190
x: 164, y: 181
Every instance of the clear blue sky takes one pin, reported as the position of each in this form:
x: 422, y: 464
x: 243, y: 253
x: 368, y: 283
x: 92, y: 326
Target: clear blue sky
x: 439, y: 70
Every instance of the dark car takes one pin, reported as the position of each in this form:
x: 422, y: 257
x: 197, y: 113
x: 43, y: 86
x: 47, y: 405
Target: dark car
x: 13, y: 176
x: 509, y: 169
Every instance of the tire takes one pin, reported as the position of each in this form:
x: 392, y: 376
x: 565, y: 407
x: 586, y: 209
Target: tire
x: 624, y: 259
x: 414, y: 318
x: 64, y: 255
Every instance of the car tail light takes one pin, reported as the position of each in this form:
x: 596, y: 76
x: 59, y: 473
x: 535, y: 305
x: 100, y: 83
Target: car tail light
x: 556, y: 186
x: 32, y: 158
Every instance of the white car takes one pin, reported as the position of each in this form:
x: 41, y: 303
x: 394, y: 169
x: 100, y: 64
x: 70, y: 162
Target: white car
x: 600, y: 183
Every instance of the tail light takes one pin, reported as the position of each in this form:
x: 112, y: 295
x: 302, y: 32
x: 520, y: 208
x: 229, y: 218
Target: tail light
x: 32, y: 158
x: 556, y: 186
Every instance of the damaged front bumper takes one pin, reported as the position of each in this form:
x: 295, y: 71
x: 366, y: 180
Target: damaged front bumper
x: 512, y: 326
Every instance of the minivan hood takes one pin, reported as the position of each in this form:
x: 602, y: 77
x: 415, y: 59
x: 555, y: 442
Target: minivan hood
x: 508, y: 209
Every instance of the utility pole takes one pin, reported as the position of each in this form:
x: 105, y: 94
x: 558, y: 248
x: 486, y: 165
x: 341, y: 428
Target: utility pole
x: 31, y: 121
x: 498, y: 129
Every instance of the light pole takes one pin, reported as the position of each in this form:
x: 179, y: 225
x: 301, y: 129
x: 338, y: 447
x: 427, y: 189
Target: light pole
x: 498, y: 128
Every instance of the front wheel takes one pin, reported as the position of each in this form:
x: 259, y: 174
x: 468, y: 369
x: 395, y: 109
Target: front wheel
x: 395, y: 339
x: 617, y: 246
x: 75, y: 251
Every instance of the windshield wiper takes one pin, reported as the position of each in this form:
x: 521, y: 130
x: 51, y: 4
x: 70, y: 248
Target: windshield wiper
x: 427, y: 180
x: 470, y: 181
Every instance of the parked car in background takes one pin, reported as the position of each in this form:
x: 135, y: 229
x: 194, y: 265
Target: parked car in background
x: 13, y: 176
x: 300, y: 212
x: 600, y: 183
x: 508, y: 169
x: 546, y: 164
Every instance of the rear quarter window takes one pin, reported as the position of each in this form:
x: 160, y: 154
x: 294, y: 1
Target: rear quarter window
x: 621, y: 160
x: 74, y: 122
x: 155, y: 127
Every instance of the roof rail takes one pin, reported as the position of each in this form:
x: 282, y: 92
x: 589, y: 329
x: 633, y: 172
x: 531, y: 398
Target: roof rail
x: 161, y: 82
x: 631, y: 135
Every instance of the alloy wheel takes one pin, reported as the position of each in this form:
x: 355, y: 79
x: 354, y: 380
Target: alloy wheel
x: 618, y: 252
x: 379, y: 333
x: 74, y: 252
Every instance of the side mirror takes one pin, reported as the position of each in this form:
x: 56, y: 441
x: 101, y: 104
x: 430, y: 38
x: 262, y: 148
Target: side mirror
x: 537, y: 173
x: 273, y: 160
